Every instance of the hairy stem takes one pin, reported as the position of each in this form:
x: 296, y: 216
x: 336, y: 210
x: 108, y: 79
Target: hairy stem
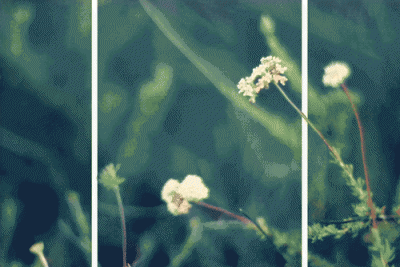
x: 370, y: 203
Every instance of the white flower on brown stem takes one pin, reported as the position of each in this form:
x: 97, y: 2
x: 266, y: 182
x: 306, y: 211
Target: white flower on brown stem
x: 177, y: 195
x: 269, y: 70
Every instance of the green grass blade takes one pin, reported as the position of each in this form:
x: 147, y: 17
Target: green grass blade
x: 287, y: 134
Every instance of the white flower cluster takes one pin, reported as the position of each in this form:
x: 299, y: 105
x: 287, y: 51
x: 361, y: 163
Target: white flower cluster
x: 269, y: 70
x: 335, y: 74
x: 177, y: 195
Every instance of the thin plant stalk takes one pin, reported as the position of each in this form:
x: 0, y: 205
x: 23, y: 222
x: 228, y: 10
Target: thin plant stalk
x: 237, y: 217
x: 121, y: 211
x: 309, y: 123
x: 370, y: 203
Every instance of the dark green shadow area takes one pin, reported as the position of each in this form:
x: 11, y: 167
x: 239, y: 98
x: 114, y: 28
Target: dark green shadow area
x: 45, y: 129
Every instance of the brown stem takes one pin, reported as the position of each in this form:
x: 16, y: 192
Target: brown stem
x: 240, y: 218
x: 137, y: 256
x: 369, y: 202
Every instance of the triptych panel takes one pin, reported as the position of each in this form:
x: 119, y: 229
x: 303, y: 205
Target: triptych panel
x: 199, y: 133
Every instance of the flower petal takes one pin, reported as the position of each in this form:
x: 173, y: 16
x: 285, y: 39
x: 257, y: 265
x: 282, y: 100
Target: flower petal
x: 193, y: 189
x: 170, y: 186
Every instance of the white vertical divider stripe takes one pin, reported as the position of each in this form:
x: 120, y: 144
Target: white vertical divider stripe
x: 304, y: 131
x: 94, y: 136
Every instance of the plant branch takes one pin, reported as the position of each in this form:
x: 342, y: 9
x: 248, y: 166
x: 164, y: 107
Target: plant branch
x: 347, y: 168
x: 332, y: 149
x: 369, y: 202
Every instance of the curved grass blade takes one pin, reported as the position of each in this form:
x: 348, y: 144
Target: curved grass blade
x: 287, y: 134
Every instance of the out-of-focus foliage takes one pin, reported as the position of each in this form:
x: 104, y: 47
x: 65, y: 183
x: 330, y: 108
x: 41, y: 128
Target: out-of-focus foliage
x: 169, y: 107
x: 365, y: 35
x: 45, y: 128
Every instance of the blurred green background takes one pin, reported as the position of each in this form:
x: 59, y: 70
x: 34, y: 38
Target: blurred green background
x: 161, y: 118
x: 45, y: 124
x: 365, y: 35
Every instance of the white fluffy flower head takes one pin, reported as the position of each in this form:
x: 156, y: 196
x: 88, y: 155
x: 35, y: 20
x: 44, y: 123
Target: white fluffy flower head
x: 177, y: 195
x: 269, y: 70
x: 335, y: 74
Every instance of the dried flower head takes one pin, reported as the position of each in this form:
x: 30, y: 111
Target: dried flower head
x: 177, y: 195
x: 38, y: 250
x: 269, y: 70
x: 335, y: 74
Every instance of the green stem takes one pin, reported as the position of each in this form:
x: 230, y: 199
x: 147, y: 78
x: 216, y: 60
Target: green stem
x: 333, y: 150
x: 256, y: 224
x: 121, y: 211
